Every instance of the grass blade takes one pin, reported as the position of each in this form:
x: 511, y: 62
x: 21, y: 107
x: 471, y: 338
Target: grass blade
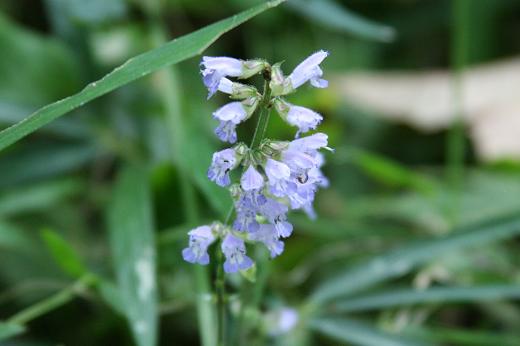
x: 331, y: 15
x: 63, y: 253
x: 401, y: 261
x: 358, y: 333
x: 133, y: 250
x: 433, y: 295
x: 9, y: 330
x: 173, y: 52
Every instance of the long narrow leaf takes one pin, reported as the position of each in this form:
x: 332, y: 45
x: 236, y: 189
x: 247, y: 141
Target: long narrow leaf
x: 432, y: 295
x: 331, y: 15
x: 171, y: 53
x: 358, y: 333
x: 9, y: 330
x: 133, y: 248
x: 401, y: 261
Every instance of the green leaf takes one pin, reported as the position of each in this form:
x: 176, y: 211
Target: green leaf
x: 433, y: 295
x: 110, y: 293
x: 8, y: 330
x: 401, y: 261
x: 333, y: 16
x: 38, y: 197
x: 36, y: 160
x: 358, y: 333
x: 385, y: 170
x: 63, y: 253
x: 132, y: 243
x: 173, y: 52
x: 460, y: 337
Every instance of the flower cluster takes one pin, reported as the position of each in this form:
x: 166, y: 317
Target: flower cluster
x: 277, y: 176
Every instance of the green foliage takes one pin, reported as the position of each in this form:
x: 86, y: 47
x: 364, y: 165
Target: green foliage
x: 403, y: 252
x: 64, y: 255
x: 133, y: 246
x: 171, y: 53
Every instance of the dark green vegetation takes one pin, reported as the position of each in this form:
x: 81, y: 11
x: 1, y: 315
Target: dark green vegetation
x: 416, y: 241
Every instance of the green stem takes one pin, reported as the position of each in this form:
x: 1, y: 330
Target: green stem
x: 263, y: 117
x: 220, y: 287
x: 62, y: 297
x: 171, y: 96
x: 455, y: 140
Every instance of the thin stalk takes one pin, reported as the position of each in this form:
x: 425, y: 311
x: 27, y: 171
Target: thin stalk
x: 455, y: 140
x: 220, y: 287
x: 259, y: 134
x: 263, y: 117
x: 171, y: 96
x: 58, y: 299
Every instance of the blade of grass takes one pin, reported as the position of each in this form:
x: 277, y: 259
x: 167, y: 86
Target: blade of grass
x: 64, y: 254
x: 401, y: 261
x: 461, y: 337
x: 358, y: 333
x: 443, y: 295
x: 130, y: 224
x: 333, y: 16
x: 171, y: 53
x: 9, y: 330
x: 171, y: 94
x: 15, y: 324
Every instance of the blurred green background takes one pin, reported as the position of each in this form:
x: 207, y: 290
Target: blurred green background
x: 416, y: 240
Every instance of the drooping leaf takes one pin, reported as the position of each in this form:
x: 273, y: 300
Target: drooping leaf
x: 131, y: 228
x: 358, y: 333
x: 171, y: 53
x: 331, y: 15
x: 401, y: 261
x: 37, y: 197
x: 63, y: 253
x: 441, y: 295
x: 8, y: 330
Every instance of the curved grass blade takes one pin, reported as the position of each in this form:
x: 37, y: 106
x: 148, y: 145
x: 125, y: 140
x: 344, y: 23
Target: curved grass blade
x: 64, y: 254
x: 130, y: 223
x: 173, y: 52
x: 401, y: 261
x: 358, y: 333
x: 461, y: 337
x: 331, y: 15
x: 9, y: 330
x: 433, y: 295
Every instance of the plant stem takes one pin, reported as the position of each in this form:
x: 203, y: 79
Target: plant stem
x: 455, y: 140
x: 171, y: 97
x: 263, y: 117
x: 220, y: 287
x: 62, y: 297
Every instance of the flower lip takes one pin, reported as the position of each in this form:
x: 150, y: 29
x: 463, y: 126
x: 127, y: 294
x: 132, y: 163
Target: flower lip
x: 309, y: 70
x: 251, y: 179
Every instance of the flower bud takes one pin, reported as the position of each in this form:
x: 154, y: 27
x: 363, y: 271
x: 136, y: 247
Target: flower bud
x: 236, y: 91
x: 252, y: 67
x: 279, y: 84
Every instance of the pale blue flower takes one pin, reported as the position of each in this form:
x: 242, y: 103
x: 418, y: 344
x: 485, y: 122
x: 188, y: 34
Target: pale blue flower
x: 276, y: 213
x: 251, y: 179
x: 279, y: 176
x: 236, y: 90
x: 226, y: 131
x: 281, y: 321
x: 233, y: 111
x: 222, y: 163
x: 215, y: 68
x: 303, y: 118
x: 309, y: 70
x: 235, y: 251
x: 197, y: 251
x: 267, y: 234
